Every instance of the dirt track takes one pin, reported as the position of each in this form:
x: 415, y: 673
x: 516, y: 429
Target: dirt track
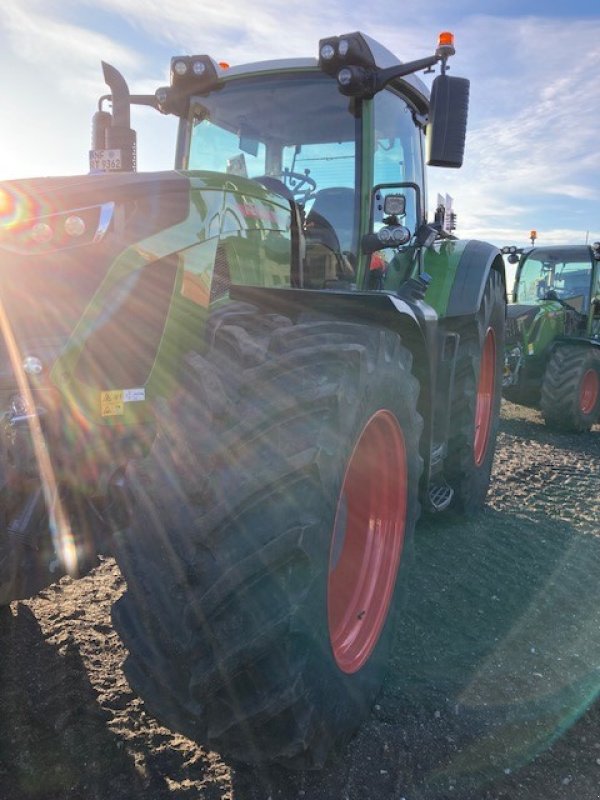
x: 496, y: 663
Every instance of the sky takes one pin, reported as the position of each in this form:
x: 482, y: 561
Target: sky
x: 532, y: 159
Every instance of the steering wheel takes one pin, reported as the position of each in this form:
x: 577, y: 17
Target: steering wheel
x: 301, y: 185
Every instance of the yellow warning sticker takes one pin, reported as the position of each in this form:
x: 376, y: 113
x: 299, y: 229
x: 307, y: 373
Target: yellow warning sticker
x: 111, y: 403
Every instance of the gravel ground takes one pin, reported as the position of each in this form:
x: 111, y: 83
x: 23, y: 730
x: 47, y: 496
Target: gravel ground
x: 491, y: 691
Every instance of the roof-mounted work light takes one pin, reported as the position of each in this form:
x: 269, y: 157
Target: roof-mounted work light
x: 189, y: 75
x: 195, y: 73
x: 351, y: 49
x: 351, y: 60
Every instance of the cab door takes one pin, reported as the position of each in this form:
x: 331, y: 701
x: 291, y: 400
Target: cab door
x: 393, y: 150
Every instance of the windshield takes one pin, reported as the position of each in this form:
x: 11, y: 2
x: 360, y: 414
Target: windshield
x: 297, y: 129
x: 555, y: 275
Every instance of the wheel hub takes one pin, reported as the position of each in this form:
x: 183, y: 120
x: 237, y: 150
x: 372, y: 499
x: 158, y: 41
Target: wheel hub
x: 589, y: 391
x: 484, y: 409
x: 367, y: 542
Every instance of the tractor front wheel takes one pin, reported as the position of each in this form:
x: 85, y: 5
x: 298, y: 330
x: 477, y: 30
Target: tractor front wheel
x: 571, y: 388
x: 476, y: 400
x: 271, y: 527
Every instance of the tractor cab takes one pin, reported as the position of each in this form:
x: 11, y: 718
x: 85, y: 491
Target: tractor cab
x: 559, y: 274
x: 323, y: 153
x: 330, y: 138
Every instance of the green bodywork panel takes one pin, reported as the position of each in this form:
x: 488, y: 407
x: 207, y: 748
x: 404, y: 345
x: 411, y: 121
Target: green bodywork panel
x: 548, y: 323
x: 231, y: 221
x: 248, y: 225
x: 441, y: 263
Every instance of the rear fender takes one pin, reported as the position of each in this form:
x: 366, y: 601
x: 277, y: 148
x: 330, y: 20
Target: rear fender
x: 472, y: 271
x: 458, y: 270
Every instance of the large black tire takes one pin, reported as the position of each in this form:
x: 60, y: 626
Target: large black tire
x: 529, y: 397
x: 230, y: 589
x: 571, y: 388
x: 476, y: 400
x: 24, y: 566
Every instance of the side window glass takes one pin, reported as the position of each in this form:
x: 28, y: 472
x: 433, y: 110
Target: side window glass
x: 397, y: 145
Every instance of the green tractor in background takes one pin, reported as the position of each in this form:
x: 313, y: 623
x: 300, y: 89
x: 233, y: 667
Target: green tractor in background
x: 244, y: 377
x: 553, y: 334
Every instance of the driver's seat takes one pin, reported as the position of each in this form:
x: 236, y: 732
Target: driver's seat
x: 328, y: 230
x: 279, y: 187
x: 336, y: 205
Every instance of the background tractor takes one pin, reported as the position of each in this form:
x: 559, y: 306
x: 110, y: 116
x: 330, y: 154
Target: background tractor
x: 244, y: 377
x: 553, y: 334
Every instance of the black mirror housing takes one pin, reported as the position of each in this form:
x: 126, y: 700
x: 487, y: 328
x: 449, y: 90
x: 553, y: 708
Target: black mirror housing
x: 447, y: 128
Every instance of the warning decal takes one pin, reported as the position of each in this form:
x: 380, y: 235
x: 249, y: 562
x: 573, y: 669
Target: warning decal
x: 111, y: 403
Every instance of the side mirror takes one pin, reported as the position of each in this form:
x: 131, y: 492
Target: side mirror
x: 447, y: 128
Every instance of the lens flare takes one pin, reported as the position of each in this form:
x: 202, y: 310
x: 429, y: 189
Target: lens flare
x: 16, y: 207
x: 60, y: 528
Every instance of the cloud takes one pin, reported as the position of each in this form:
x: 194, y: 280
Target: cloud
x: 532, y: 137
x: 245, y: 31
x: 531, y: 143
x: 68, y: 51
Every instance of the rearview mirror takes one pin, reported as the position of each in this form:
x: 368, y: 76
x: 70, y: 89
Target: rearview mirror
x: 447, y: 128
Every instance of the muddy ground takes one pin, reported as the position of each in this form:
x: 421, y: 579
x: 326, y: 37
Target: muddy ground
x: 491, y: 691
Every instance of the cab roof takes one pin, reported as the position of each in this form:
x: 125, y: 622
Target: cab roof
x: 384, y: 58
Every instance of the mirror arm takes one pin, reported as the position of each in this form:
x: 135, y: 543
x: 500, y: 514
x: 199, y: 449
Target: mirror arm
x: 384, y: 76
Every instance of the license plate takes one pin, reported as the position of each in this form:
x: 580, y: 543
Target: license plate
x: 105, y: 160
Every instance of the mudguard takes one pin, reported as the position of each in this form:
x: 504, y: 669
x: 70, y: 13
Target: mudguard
x: 459, y: 271
x: 472, y: 271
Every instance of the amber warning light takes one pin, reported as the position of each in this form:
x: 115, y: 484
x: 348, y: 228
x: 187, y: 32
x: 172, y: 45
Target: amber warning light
x: 445, y: 45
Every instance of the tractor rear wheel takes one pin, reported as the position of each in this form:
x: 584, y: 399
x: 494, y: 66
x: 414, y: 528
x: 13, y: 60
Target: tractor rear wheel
x: 571, y: 388
x: 476, y: 400
x: 272, y: 522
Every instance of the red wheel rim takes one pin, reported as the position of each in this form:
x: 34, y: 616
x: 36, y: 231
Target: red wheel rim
x: 485, y: 397
x: 589, y: 391
x: 367, y: 541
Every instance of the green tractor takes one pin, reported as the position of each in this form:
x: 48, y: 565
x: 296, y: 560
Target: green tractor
x: 553, y: 334
x: 244, y: 377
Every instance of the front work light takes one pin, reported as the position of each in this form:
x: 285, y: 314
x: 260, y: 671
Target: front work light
x: 352, y: 59
x: 189, y: 75
x: 179, y: 68
x: 338, y: 51
x: 194, y: 73
x: 327, y: 52
x: 394, y: 205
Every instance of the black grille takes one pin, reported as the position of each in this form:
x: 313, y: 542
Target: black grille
x: 221, y: 279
